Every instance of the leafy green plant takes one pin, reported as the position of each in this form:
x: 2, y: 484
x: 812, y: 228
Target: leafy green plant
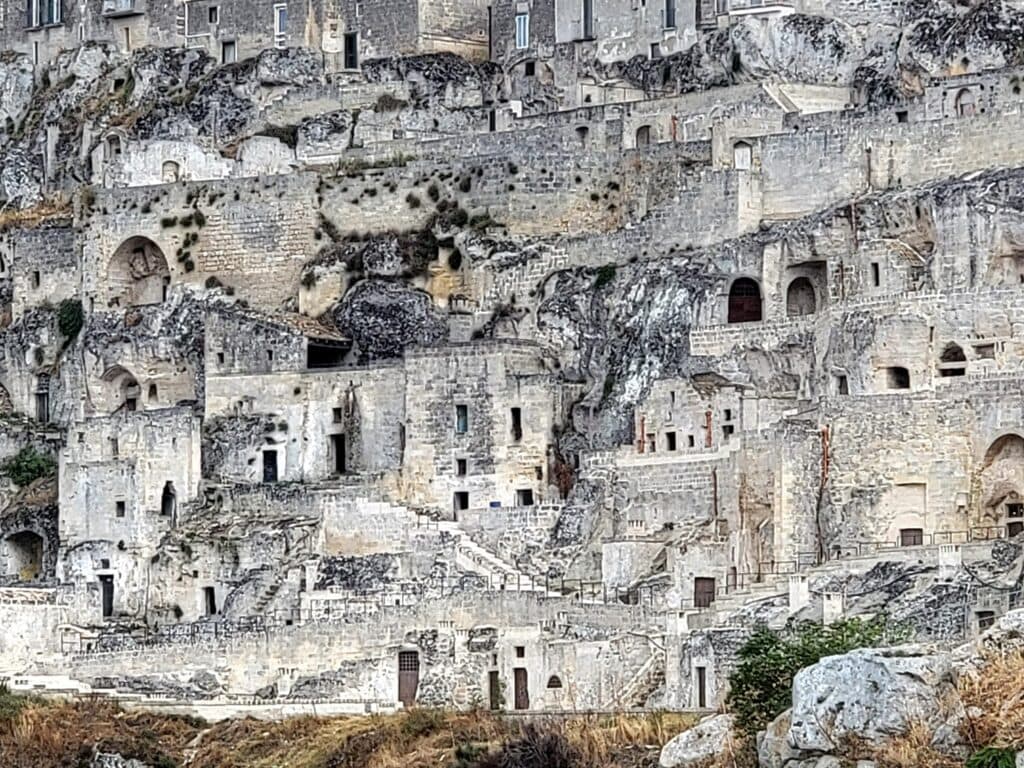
x: 992, y: 757
x: 28, y: 465
x: 605, y: 275
x: 761, y: 686
x: 70, y: 319
x: 11, y: 703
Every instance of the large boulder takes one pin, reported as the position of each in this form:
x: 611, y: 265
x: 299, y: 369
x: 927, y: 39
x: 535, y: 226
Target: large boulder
x: 699, y: 744
x: 868, y: 695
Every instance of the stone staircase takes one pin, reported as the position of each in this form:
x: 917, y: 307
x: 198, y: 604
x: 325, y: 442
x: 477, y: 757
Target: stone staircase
x: 644, y: 683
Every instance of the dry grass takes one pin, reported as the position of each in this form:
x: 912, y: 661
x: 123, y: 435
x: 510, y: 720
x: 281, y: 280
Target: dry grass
x: 997, y: 692
x: 37, y: 734
x: 57, y: 735
x: 36, y: 215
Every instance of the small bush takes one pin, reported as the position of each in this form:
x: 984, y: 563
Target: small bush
x: 605, y: 275
x: 434, y: 192
x: 466, y: 184
x: 422, y: 722
x: 70, y: 319
x: 992, y: 757
x: 761, y: 686
x: 11, y: 704
x: 413, y: 201
x: 27, y: 466
x: 168, y: 221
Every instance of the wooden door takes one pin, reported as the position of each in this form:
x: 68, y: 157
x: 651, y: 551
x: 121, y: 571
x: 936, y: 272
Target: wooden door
x: 408, y: 677
x: 522, y: 692
x: 703, y: 592
x: 107, y: 591
x: 494, y: 689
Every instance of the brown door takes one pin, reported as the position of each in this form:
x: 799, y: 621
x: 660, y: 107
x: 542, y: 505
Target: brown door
x: 408, y: 677
x: 494, y: 689
x: 522, y: 688
x: 703, y: 592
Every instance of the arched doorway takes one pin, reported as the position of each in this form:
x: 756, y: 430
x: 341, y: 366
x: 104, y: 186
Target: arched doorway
x: 138, y: 274
x: 643, y: 136
x: 24, y: 551
x: 169, y: 502
x: 744, y: 301
x: 965, y: 103
x: 122, y: 389
x: 1001, y: 486
x: 800, y: 298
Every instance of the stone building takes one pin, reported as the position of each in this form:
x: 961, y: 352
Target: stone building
x: 374, y: 371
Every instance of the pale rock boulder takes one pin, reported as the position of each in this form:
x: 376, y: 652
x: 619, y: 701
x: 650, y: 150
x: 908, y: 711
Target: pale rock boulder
x: 694, y: 747
x: 868, y: 694
x: 1020, y: 760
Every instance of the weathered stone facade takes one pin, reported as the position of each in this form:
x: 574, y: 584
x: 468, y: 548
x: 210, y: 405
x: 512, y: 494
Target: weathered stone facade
x: 523, y: 360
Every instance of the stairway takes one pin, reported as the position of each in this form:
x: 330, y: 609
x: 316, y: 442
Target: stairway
x: 644, y: 683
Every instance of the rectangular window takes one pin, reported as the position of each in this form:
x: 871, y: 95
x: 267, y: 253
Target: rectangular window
x: 43, y: 407
x: 588, y: 19
x: 280, y: 24
x: 114, y: 450
x: 270, y: 466
x: 520, y: 651
x: 228, y: 52
x: 911, y: 537
x: 843, y: 385
x: 517, y: 424
x: 119, y: 509
x: 210, y: 601
x: 461, y: 467
x: 670, y: 14
x: 127, y: 39
x: 336, y: 415
x: 460, y: 501
x: 522, y: 30
x: 213, y: 14
x: 524, y: 497
x: 690, y: 441
x: 876, y: 276
x: 36, y: 278
x: 461, y: 419
x: 351, y: 50
x: 492, y: 121
x: 670, y: 441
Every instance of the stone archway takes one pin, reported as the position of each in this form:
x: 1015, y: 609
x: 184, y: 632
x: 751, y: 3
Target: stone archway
x: 137, y: 274
x: 23, y: 552
x: 744, y: 301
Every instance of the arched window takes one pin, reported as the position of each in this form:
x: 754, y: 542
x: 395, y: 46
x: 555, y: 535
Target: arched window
x: 800, y: 298
x: 582, y: 135
x: 168, y: 501
x: 952, y: 361
x: 965, y: 103
x: 643, y: 136
x: 171, y: 172
x: 24, y: 553
x: 554, y: 682
x: 113, y: 146
x: 742, y: 156
x: 744, y: 301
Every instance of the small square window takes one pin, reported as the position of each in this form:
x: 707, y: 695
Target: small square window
x: 520, y: 651
x: 461, y: 500
x: 104, y: 563
x: 728, y: 429
x: 902, y: 116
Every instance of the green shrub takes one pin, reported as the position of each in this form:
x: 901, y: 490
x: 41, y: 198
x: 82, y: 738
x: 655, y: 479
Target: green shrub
x: 70, y: 318
x: 11, y: 704
x: 28, y: 465
x: 992, y: 757
x: 605, y: 275
x: 761, y: 686
x: 420, y: 721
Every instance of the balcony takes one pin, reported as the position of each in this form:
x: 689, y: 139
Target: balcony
x: 113, y: 9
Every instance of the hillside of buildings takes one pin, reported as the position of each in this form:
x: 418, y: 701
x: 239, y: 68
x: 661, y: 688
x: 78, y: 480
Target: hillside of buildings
x: 530, y: 357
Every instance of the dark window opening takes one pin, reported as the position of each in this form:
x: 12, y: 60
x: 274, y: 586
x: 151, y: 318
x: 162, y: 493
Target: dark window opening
x: 351, y: 50
x: 643, y: 136
x: 902, y: 116
x: 728, y: 429
x: 670, y: 441
x: 520, y: 651
x: 461, y: 467
x: 800, y: 298
x: 336, y: 415
x: 107, y: 592
x: 168, y: 500
x: 213, y: 14
x: 151, y: 395
x: 461, y: 501
x: 517, y: 424
x: 119, y: 509
x: 843, y: 385
x: 210, y: 601
x: 876, y: 274
x: 461, y: 419
x: 36, y: 279
x: 670, y: 14
x: 744, y: 301
x: 588, y: 19
x: 554, y: 682
x: 270, y: 466
x: 530, y: 68
x: 492, y: 121
x: 911, y: 537
x: 952, y: 361
x: 690, y: 441
x: 338, y: 454
x: 702, y: 687
x: 897, y: 378
x: 986, y: 619
x: 524, y: 497
x: 325, y: 355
